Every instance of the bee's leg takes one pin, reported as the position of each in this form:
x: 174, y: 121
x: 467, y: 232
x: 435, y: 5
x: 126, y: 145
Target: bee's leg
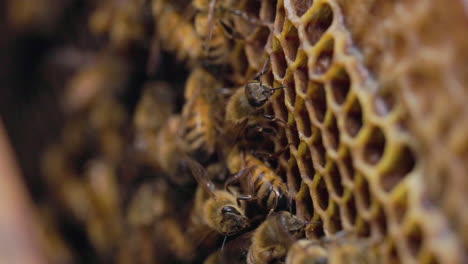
x: 236, y: 177
x: 273, y: 118
x: 253, y: 20
x: 245, y: 198
x: 263, y: 71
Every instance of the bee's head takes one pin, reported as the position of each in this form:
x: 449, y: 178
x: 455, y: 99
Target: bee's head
x: 257, y: 94
x: 234, y: 221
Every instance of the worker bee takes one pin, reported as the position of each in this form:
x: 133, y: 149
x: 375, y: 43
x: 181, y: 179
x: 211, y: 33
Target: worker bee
x: 215, y: 24
x: 261, y: 182
x: 245, y: 107
x: 273, y: 238
x: 199, y: 126
x: 221, y: 211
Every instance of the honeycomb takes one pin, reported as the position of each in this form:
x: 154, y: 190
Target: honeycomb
x: 373, y: 143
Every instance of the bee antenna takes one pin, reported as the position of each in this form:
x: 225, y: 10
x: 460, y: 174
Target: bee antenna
x: 224, y: 242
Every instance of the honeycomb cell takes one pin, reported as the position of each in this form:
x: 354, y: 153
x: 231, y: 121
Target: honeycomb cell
x: 279, y: 21
x: 381, y: 221
x: 278, y: 61
x: 292, y: 134
x: 340, y: 84
x: 334, y: 220
x: 335, y: 180
x: 300, y: 74
x: 400, y: 207
x: 414, y: 239
x: 304, y: 204
x: 350, y: 209
x: 403, y: 164
x: 306, y: 168
x: 318, y: 23
x: 302, y: 119
x: 353, y: 118
x: 346, y: 166
x: 324, y: 56
x: 279, y: 106
x: 318, y: 152
x: 374, y: 146
x: 301, y: 6
x: 384, y: 100
x: 290, y: 89
x: 363, y: 193
x: 293, y: 174
x: 315, y: 229
x: 268, y: 10
x: 291, y: 41
x: 321, y: 197
x: 363, y: 228
x: 316, y: 101
x: 332, y: 135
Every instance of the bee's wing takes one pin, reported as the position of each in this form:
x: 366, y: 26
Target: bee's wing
x: 200, y: 175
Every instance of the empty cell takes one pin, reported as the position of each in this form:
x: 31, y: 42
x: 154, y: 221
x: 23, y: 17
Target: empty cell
x: 268, y: 10
x: 321, y: 194
x: 301, y: 6
x: 292, y: 134
x: 291, y: 39
x: 317, y: 99
x: 363, y: 193
x: 324, y: 57
x: 353, y: 118
x: 318, y: 151
x: 280, y: 108
x: 315, y: 230
x: 340, y: 85
x: 374, y: 146
x: 393, y: 253
x: 279, y: 21
x: 294, y: 176
x: 319, y: 22
x: 350, y: 210
x: 278, y: 62
x: 301, y: 78
x: 332, y: 133
x: 308, y: 170
x: 304, y: 204
x: 303, y: 119
x: 336, y: 180
x: 346, y: 166
x: 402, y: 165
x: 335, y: 225
x: 381, y: 221
x: 363, y: 228
x: 414, y: 239
x: 384, y: 100
x: 290, y: 89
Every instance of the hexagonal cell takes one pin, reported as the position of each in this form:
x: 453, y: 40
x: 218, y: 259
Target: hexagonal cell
x: 324, y: 56
x: 278, y: 105
x: 353, y: 118
x: 381, y: 221
x: 332, y: 135
x: 302, y: 118
x: 304, y: 204
x: 292, y: 134
x: 393, y: 253
x: 301, y: 6
x: 384, y: 100
x: 268, y: 10
x: 256, y: 47
x: 290, y: 89
x: 363, y: 228
x: 321, y: 196
x: 340, y: 84
x: 374, y: 146
x: 278, y: 61
x: 334, y: 221
x: 293, y: 174
x: 346, y: 167
x: 318, y: 23
x: 335, y: 179
x: 305, y: 163
x: 414, y: 239
x: 316, y: 102
x: 315, y: 229
x: 300, y: 74
x: 279, y: 21
x: 363, y: 193
x: 291, y: 40
x: 404, y: 162
x: 350, y: 209
x: 318, y: 152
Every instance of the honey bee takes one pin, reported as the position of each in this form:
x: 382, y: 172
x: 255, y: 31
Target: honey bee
x: 273, y: 238
x: 198, y: 127
x: 261, y: 182
x: 214, y: 23
x: 245, y: 106
x: 221, y: 211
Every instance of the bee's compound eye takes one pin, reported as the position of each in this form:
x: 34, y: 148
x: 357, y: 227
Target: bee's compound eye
x: 229, y: 209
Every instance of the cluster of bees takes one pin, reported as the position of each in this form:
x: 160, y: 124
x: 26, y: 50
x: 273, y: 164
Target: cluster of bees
x: 200, y: 184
